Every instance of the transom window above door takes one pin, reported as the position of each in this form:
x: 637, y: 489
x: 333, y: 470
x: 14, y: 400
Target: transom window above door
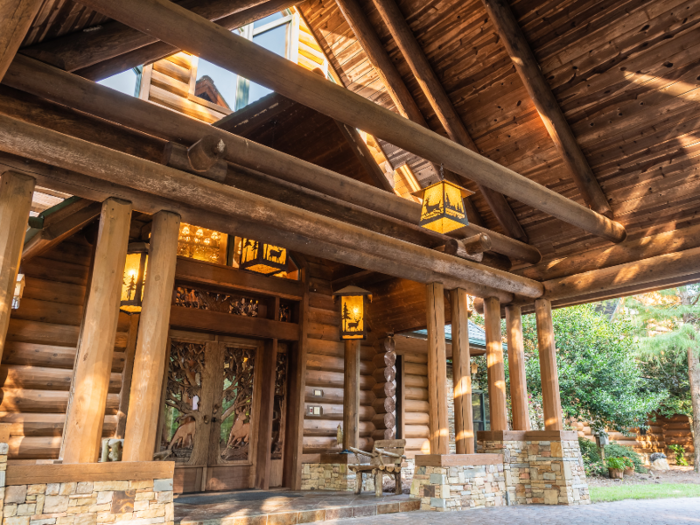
x: 232, y: 92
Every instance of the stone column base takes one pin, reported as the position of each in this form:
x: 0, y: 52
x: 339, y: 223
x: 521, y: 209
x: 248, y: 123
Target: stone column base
x: 333, y: 474
x: 545, y: 466
x: 459, y: 481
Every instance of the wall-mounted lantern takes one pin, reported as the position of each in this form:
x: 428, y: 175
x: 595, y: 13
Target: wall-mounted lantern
x: 443, y: 207
x: 475, y: 368
x: 262, y: 258
x: 352, y: 310
x: 134, y: 277
x: 19, y: 290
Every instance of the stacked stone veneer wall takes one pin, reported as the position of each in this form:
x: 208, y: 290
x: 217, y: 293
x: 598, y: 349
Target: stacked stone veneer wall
x: 134, y: 496
x: 332, y: 476
x: 460, y: 487
x: 545, y: 466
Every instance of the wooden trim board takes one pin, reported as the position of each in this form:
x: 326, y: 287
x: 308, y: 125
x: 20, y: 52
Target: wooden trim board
x: 112, y: 471
x: 457, y: 460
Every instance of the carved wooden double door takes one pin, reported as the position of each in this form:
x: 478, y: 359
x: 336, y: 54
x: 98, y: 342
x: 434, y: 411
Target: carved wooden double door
x: 211, y: 419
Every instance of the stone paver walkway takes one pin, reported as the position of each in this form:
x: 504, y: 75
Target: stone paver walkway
x: 678, y: 511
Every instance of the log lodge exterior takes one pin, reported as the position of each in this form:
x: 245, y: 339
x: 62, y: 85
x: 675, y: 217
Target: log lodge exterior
x: 187, y: 190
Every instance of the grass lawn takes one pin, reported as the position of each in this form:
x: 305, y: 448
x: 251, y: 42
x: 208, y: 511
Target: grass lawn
x: 662, y: 490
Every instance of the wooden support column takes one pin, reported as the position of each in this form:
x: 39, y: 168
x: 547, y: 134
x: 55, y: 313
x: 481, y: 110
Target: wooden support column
x: 263, y: 449
x: 151, y: 347
x: 461, y: 373
x: 16, y: 191
x: 16, y: 17
x: 437, y: 371
x: 86, y: 411
x: 526, y: 65
x: 127, y: 376
x: 442, y: 105
x: 294, y: 433
x: 494, y: 362
x: 351, y: 395
x: 516, y: 367
x: 551, y: 402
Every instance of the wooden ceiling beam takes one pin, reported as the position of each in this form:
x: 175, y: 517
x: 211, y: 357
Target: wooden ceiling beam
x: 541, y: 94
x: 628, y: 251
x: 380, y: 253
x: 47, y: 82
x: 443, y: 106
x: 115, y: 47
x: 389, y: 75
x: 67, y: 222
x: 16, y: 17
x: 166, y: 20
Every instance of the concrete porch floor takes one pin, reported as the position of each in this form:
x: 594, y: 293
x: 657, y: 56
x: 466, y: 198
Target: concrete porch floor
x: 284, y: 507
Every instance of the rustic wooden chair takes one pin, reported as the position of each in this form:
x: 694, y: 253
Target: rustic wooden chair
x: 391, y: 449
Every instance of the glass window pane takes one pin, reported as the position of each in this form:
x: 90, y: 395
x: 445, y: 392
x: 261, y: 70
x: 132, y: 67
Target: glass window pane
x: 215, y: 84
x: 125, y: 82
x: 274, y: 40
x: 268, y: 19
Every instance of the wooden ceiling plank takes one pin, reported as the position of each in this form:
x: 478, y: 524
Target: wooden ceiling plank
x: 16, y: 17
x: 528, y: 68
x: 443, y: 107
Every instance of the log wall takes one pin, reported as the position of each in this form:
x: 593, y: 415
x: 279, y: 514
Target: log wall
x: 324, y: 371
x: 37, y: 367
x: 661, y: 433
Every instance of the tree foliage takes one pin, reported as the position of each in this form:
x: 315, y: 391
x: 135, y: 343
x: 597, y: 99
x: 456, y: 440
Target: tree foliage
x: 599, y: 379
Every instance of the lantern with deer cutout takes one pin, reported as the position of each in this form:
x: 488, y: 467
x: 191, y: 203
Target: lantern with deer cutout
x: 443, y: 207
x: 262, y: 258
x: 352, y: 310
x: 134, y: 277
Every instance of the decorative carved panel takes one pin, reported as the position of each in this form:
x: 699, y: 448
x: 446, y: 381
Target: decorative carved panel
x: 189, y: 297
x: 182, y: 397
x: 237, y: 403
x: 280, y: 405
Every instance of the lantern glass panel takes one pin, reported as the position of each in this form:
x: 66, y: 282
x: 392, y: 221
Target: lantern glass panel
x: 263, y: 258
x: 133, y: 282
x: 353, y: 317
x: 443, y: 207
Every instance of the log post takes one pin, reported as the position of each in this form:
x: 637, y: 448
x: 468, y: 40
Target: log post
x: 461, y: 373
x: 16, y: 191
x: 437, y: 371
x: 199, y: 36
x: 86, y: 412
x: 351, y: 395
x: 494, y: 362
x: 551, y: 402
x: 263, y: 450
x: 16, y: 17
x: 151, y: 347
x: 516, y: 367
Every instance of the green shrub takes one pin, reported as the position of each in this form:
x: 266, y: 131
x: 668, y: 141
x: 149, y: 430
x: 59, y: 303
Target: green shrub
x: 618, y: 463
x: 589, y: 451
x: 679, y: 451
x: 597, y: 468
x: 618, y: 451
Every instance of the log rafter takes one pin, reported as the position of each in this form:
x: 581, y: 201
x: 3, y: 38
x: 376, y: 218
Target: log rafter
x: 42, y: 80
x: 442, y: 105
x: 547, y: 106
x: 183, y: 28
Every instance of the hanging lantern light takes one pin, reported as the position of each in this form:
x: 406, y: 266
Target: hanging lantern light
x: 352, y: 310
x: 262, y: 258
x: 134, y: 277
x: 443, y: 207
